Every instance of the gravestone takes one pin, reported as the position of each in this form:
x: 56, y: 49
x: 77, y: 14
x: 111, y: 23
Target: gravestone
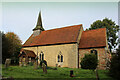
x: 25, y: 63
x: 44, y: 68
x: 71, y: 73
x: 7, y: 63
x: 56, y: 65
x: 35, y: 65
x: 20, y: 64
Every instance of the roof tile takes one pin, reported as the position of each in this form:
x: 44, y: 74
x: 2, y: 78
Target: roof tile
x: 93, y: 38
x: 55, y: 36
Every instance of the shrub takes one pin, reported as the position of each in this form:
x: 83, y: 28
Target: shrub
x: 90, y: 61
x: 115, y: 65
x: 43, y: 61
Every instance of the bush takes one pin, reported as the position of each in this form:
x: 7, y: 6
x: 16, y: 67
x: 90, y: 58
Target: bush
x: 90, y: 61
x: 43, y: 61
x: 115, y: 65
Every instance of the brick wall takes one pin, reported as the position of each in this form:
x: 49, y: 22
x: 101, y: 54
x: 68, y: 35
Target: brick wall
x: 102, y: 56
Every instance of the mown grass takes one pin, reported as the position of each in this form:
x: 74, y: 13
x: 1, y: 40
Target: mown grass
x: 30, y: 72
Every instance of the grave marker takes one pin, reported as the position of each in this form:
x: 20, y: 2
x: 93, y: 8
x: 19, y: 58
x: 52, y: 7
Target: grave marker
x: 7, y: 63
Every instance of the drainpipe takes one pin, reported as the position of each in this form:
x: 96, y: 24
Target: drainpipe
x: 37, y: 55
x: 78, y: 56
x: 106, y: 57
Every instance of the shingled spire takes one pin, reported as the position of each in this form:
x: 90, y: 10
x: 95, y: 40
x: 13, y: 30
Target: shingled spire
x: 39, y: 23
x: 37, y: 30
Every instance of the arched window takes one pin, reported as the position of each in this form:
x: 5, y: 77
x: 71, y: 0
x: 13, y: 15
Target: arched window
x: 60, y: 57
x: 41, y: 56
x: 91, y: 51
x: 94, y: 52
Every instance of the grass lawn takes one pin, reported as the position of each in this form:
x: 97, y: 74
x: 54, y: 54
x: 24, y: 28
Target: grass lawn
x: 29, y: 72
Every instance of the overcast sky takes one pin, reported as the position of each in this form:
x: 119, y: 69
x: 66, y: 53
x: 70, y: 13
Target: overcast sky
x: 21, y: 17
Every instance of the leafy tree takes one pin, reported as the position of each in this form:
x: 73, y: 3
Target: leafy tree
x: 89, y: 61
x: 111, y: 29
x: 5, y: 44
x: 12, y: 46
x: 115, y: 65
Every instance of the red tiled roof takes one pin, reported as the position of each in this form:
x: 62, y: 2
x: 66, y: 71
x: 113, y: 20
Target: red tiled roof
x: 55, y: 36
x: 93, y: 38
x: 27, y: 53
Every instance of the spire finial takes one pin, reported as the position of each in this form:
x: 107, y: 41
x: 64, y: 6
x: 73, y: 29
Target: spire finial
x: 39, y: 23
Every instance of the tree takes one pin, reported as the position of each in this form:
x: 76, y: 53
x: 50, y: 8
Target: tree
x: 5, y: 44
x: 13, y: 46
x: 89, y: 61
x: 111, y: 29
x: 115, y: 65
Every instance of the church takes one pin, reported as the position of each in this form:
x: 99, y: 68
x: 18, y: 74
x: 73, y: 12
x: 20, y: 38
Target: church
x: 66, y: 46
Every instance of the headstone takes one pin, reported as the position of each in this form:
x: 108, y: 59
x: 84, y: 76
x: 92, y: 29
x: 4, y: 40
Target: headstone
x: 7, y: 63
x: 44, y: 68
x: 20, y: 64
x: 56, y: 65
x: 35, y: 65
x: 25, y: 64
x: 71, y: 73
x: 20, y: 61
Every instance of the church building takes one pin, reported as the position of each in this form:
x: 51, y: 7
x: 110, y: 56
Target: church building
x: 65, y: 46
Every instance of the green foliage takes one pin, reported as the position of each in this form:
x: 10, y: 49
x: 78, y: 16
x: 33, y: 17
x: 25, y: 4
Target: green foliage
x: 43, y: 61
x: 90, y: 61
x: 115, y: 65
x: 11, y: 45
x: 111, y: 29
x: 14, y: 46
x: 5, y: 46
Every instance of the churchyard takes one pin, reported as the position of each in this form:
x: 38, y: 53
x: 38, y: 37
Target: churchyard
x: 28, y: 72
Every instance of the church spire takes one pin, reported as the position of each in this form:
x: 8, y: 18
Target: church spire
x: 39, y: 28
x: 39, y: 23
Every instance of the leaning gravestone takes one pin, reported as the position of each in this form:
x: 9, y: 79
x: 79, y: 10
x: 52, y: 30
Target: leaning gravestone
x: 44, y: 68
x: 7, y: 63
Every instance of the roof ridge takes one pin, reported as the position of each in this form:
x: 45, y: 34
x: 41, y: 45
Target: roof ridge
x: 94, y: 29
x: 63, y: 27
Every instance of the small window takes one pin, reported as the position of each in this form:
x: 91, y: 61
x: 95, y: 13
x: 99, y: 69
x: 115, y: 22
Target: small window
x: 94, y: 52
x: 91, y: 51
x: 61, y: 58
x: 58, y: 58
x: 41, y: 56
